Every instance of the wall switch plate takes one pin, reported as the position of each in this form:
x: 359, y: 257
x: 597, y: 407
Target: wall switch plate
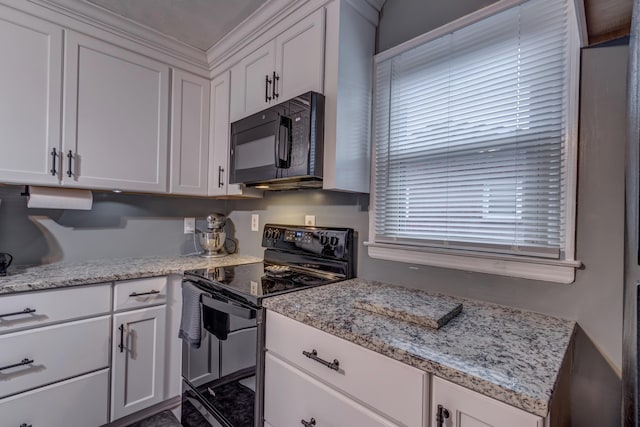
x: 255, y: 222
x: 310, y: 220
x: 189, y: 225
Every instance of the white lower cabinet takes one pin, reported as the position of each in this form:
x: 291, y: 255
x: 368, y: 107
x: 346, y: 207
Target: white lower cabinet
x: 79, y: 402
x: 138, y: 360
x: 293, y: 398
x: 44, y: 355
x: 466, y: 408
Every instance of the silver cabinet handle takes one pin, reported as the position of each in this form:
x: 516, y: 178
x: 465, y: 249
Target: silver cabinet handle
x: 25, y: 425
x: 313, y: 355
x: 25, y: 361
x: 121, y: 345
x: 16, y: 313
x: 309, y: 423
x: 135, y: 294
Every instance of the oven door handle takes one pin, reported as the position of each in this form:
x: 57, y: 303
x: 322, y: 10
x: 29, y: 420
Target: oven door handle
x: 228, y: 308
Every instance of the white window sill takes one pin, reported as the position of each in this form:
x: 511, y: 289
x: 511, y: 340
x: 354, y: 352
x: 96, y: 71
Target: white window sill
x: 505, y: 265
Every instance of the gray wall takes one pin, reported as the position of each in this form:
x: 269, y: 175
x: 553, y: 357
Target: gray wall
x: 119, y: 225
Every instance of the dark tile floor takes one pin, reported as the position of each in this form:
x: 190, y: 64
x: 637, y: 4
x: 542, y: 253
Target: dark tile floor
x: 163, y: 419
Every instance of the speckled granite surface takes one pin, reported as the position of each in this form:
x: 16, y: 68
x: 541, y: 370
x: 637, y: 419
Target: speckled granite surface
x: 511, y: 355
x: 62, y: 275
x: 432, y: 311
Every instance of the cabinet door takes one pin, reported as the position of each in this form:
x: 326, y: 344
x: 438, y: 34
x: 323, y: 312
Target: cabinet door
x: 470, y: 409
x: 138, y: 367
x: 291, y: 396
x: 116, y: 117
x: 219, y: 140
x: 300, y: 58
x: 78, y: 402
x: 190, y: 134
x: 250, y: 92
x: 30, y: 90
x: 219, y: 143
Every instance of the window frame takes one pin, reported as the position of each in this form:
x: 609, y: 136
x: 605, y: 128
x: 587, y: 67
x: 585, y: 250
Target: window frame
x: 553, y: 270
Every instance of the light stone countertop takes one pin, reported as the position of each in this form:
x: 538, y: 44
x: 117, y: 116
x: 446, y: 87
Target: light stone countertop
x: 511, y: 355
x: 61, y: 275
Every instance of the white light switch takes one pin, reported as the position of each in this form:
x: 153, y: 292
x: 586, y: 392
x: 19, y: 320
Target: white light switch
x: 255, y: 222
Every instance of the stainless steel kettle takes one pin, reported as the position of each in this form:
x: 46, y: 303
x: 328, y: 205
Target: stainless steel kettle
x: 5, y: 262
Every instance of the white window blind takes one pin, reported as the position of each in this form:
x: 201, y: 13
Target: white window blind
x: 470, y: 133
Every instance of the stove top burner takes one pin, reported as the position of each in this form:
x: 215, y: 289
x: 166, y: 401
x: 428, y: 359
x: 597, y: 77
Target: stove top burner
x: 255, y: 281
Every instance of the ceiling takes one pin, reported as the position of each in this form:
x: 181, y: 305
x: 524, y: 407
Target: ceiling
x: 199, y: 23
x: 203, y: 23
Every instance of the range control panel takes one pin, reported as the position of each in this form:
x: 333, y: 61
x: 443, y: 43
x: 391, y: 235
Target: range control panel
x: 332, y: 242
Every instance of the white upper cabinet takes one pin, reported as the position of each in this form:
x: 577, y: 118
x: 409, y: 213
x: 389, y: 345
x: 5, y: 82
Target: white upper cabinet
x: 116, y: 117
x: 300, y: 58
x: 250, y: 88
x: 219, y: 143
x: 285, y: 67
x: 190, y: 134
x: 30, y: 90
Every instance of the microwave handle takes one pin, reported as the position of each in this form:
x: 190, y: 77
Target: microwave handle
x: 285, y: 123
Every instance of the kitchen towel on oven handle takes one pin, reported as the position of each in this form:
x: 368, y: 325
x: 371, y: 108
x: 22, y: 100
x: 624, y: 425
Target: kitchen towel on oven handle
x: 190, y: 321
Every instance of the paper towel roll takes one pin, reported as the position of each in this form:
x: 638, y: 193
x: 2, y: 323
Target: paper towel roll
x: 59, y: 198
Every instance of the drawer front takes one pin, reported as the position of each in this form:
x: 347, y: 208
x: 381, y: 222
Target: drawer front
x: 57, y: 352
x: 389, y: 386
x: 78, y: 402
x: 292, y: 396
x: 139, y: 293
x: 53, y: 306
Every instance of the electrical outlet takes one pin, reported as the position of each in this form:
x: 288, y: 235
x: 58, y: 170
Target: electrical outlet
x: 310, y: 220
x: 255, y: 222
x: 189, y: 225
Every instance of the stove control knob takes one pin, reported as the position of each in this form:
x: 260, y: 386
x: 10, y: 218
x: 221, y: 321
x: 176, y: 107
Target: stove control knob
x: 333, y: 241
x: 323, y: 240
x: 268, y: 233
x: 276, y: 234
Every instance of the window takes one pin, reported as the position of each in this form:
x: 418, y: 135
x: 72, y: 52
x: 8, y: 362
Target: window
x: 475, y: 144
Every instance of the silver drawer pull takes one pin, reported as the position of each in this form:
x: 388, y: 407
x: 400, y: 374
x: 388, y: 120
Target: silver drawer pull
x: 309, y: 423
x: 24, y: 361
x: 25, y: 425
x: 335, y: 365
x: 16, y: 313
x: 135, y: 294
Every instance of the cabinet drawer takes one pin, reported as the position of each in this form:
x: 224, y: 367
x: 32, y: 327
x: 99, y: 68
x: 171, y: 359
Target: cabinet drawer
x: 139, y: 293
x: 78, y: 402
x: 57, y: 352
x: 292, y: 396
x: 53, y: 306
x: 391, y: 387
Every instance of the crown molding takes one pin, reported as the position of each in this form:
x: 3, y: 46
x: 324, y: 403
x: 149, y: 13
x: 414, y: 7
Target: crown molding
x: 251, y: 28
x: 112, y: 23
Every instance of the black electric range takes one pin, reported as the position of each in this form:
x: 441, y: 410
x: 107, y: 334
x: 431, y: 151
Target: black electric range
x: 223, y: 378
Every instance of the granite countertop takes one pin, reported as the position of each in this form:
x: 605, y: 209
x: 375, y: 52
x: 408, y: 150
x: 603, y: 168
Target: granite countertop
x: 509, y: 354
x: 60, y: 275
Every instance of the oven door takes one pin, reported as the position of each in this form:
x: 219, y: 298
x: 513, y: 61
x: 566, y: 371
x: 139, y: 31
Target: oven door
x: 221, y: 377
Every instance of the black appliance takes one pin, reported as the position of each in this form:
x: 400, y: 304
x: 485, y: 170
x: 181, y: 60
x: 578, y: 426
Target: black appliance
x: 281, y: 147
x: 5, y: 262
x: 223, y: 380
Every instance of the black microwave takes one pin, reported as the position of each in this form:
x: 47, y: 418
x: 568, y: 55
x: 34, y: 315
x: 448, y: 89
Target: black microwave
x: 281, y: 147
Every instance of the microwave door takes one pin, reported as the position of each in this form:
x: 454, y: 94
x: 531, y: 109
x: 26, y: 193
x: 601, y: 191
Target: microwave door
x: 252, y: 151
